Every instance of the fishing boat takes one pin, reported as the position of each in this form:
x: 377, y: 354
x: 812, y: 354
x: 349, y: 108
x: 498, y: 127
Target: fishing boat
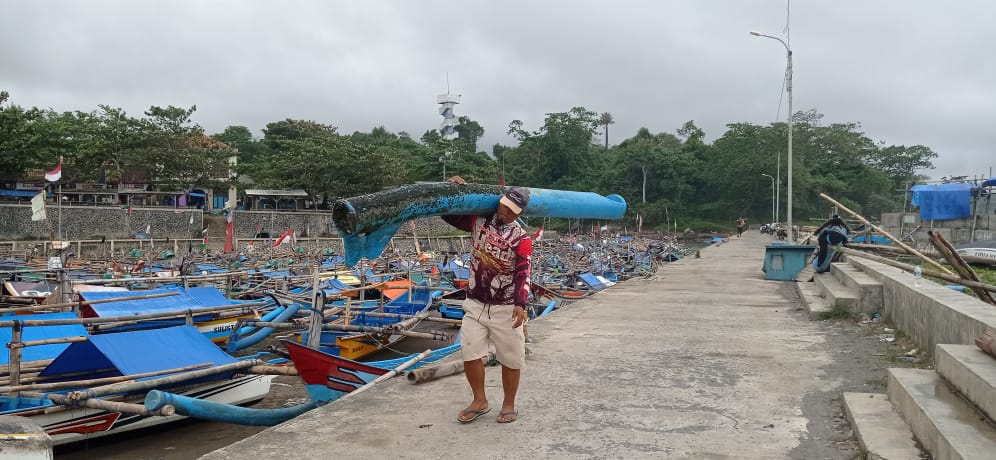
x: 216, y: 326
x: 402, y: 314
x: 125, y: 366
x: 328, y: 377
x: 980, y: 252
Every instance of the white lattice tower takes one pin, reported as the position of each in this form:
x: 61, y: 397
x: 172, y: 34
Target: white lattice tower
x: 446, y: 104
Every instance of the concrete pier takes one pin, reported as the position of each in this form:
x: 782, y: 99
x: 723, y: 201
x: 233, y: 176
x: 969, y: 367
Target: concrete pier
x: 705, y: 360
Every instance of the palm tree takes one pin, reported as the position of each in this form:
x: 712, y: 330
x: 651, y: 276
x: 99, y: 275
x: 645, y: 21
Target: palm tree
x: 606, y: 120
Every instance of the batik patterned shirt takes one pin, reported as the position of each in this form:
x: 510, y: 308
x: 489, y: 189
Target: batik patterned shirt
x: 499, y: 263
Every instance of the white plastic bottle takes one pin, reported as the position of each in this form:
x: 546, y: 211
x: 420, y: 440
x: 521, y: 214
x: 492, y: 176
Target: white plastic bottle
x: 917, y: 274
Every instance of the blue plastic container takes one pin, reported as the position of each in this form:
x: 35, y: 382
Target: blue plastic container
x: 784, y: 261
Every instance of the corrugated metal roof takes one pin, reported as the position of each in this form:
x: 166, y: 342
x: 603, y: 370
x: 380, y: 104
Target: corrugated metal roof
x: 263, y: 192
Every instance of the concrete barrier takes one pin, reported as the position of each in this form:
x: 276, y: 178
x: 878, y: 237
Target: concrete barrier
x: 22, y: 439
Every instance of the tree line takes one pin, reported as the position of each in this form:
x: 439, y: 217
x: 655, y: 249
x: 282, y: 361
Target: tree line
x: 666, y: 177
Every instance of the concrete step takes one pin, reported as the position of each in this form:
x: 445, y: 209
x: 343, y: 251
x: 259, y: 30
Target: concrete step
x: 944, y: 423
x: 812, y: 300
x: 869, y: 290
x: 215, y: 225
x: 836, y: 293
x: 970, y: 371
x: 880, y: 429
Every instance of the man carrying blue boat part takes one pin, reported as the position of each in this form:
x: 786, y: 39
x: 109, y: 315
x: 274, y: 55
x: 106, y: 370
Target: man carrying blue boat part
x: 495, y: 309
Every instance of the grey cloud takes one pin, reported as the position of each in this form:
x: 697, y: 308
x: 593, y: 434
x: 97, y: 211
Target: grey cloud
x: 911, y: 72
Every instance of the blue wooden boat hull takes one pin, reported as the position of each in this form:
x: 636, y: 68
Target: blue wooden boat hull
x: 220, y: 412
x: 368, y: 222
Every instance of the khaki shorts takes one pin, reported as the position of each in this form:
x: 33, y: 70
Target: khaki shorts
x: 481, y: 323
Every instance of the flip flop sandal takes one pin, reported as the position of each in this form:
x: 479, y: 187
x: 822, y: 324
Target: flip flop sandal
x: 461, y: 417
x: 508, y: 417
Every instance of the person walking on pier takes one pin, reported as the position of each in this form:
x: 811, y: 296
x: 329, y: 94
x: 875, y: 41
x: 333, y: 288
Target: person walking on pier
x: 497, y: 294
x: 741, y: 222
x: 832, y: 233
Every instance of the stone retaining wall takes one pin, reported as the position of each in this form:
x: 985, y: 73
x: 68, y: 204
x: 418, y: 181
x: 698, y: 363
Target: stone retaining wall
x: 90, y: 223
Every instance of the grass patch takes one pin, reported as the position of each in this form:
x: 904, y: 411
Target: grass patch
x: 835, y: 313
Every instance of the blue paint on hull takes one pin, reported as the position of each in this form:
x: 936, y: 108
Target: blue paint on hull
x: 367, y: 223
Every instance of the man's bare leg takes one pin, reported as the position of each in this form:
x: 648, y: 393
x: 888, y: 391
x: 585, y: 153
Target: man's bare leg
x: 510, y: 384
x: 474, y: 370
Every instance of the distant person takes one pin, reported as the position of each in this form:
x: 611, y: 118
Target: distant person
x: 495, y: 309
x: 832, y: 233
x: 741, y: 222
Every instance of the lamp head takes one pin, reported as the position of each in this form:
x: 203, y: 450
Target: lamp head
x: 756, y: 33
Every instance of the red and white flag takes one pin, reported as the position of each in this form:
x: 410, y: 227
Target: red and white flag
x: 539, y: 234
x: 55, y: 174
x: 285, y: 238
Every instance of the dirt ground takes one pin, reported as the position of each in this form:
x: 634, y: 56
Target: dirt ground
x: 863, y: 348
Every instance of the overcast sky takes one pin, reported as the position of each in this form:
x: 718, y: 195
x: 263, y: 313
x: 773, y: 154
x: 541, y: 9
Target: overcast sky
x: 910, y: 72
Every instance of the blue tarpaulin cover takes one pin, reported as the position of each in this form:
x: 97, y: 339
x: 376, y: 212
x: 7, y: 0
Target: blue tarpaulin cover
x: 137, y: 352
x: 196, y: 297
x: 943, y: 201
x: 41, y: 333
x: 592, y: 281
x: 20, y: 193
x: 334, y: 286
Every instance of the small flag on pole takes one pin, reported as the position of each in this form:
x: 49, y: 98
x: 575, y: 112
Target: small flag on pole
x: 284, y: 238
x: 539, y: 234
x: 55, y: 174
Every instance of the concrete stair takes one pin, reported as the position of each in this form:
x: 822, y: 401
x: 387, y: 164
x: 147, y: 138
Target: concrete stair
x: 812, y: 299
x: 972, y: 372
x: 869, y: 290
x: 215, y: 225
x: 880, y: 429
x: 949, y: 411
x: 844, y: 287
x: 946, y: 425
x: 837, y: 294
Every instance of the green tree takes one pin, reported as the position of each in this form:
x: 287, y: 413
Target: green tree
x: 241, y: 139
x: 558, y: 155
x: 901, y: 163
x: 178, y: 154
x: 605, y: 119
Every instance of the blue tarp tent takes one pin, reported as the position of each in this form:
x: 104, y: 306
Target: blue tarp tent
x: 40, y: 333
x: 137, y: 352
x: 943, y: 201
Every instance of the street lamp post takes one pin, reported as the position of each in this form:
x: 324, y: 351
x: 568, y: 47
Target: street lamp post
x: 788, y: 88
x: 773, y: 216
